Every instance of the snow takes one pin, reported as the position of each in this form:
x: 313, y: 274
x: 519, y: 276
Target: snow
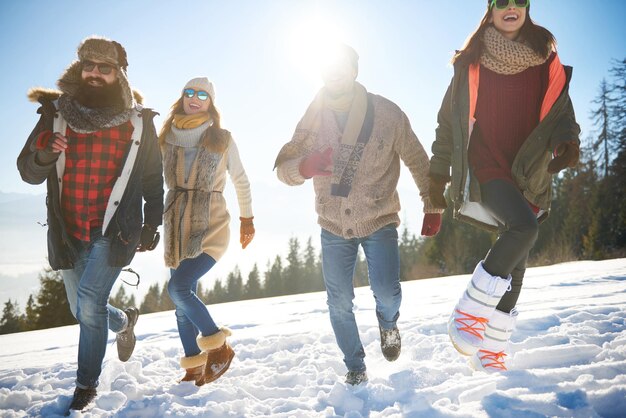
x: 568, y: 359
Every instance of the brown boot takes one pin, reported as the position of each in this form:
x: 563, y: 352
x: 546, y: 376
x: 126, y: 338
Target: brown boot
x: 194, y: 367
x: 217, y: 362
x: 219, y: 354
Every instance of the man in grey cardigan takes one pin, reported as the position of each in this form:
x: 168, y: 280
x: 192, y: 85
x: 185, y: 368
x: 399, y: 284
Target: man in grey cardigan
x: 350, y: 143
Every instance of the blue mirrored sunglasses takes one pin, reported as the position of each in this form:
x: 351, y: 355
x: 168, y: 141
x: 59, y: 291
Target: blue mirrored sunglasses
x: 202, y: 95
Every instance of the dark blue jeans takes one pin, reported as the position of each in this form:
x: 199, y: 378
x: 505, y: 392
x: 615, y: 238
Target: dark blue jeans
x: 192, y: 315
x: 383, y: 264
x: 517, y: 234
x: 88, y: 286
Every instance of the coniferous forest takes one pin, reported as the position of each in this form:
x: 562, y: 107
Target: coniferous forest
x: 587, y: 221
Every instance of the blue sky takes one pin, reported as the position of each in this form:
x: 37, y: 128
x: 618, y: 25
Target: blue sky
x: 249, y: 49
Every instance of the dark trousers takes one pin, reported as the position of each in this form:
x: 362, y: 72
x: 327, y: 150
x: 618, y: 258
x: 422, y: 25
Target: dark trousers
x: 517, y: 234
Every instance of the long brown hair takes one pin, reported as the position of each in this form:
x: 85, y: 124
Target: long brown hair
x: 540, y: 39
x: 177, y: 108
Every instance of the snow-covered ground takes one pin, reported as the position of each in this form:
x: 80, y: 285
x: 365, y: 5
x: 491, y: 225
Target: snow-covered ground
x: 569, y: 359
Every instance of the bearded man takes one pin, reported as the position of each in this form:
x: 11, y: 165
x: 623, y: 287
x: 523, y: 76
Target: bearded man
x: 97, y: 149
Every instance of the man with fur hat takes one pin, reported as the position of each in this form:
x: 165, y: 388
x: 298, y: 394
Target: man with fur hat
x: 98, y: 150
x: 351, y: 142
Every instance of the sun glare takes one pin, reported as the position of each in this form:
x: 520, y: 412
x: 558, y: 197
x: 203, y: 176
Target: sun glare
x: 310, y: 45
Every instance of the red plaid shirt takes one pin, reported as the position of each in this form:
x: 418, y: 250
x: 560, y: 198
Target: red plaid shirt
x: 93, y: 164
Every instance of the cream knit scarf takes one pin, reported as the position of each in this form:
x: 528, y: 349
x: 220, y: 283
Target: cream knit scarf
x: 504, y: 56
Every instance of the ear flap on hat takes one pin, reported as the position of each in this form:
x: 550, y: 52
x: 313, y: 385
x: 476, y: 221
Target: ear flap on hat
x: 121, y: 55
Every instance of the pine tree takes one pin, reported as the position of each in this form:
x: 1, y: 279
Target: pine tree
x: 234, y: 285
x: 12, y: 320
x: 31, y: 318
x: 52, y: 309
x: 617, y: 182
x: 617, y: 109
x: 152, y: 300
x: 312, y: 269
x: 293, y: 274
x: 217, y: 294
x: 408, y: 249
x: 274, y: 278
x: 603, y: 143
x: 252, y: 289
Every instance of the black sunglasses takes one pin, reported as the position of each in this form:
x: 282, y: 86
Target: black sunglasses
x: 103, y: 68
x: 503, y: 4
x: 202, y: 95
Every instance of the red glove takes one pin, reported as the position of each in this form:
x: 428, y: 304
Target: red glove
x: 317, y: 164
x: 246, y: 231
x: 431, y: 224
x: 566, y: 155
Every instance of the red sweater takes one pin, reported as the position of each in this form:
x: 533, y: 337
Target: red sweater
x: 507, y: 111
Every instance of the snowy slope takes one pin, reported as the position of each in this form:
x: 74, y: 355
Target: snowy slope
x: 569, y: 359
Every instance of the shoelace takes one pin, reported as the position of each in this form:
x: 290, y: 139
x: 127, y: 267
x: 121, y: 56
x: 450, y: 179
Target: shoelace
x: 472, y: 324
x: 492, y: 359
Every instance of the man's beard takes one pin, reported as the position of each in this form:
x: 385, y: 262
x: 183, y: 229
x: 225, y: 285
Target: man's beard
x: 104, y: 95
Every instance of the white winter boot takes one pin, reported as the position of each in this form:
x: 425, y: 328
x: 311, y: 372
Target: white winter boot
x: 491, y: 356
x: 471, y: 314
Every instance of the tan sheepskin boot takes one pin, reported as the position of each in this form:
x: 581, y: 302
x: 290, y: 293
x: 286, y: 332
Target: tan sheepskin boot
x: 219, y: 354
x: 194, y: 367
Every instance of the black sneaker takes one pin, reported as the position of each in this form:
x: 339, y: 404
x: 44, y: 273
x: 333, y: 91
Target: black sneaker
x: 126, y: 339
x: 356, y: 377
x: 390, y: 343
x: 82, y: 399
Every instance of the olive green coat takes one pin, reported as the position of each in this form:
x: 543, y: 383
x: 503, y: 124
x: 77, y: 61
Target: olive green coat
x: 529, y: 170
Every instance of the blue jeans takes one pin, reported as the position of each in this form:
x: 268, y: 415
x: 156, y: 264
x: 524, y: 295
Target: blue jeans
x: 192, y: 315
x: 383, y: 264
x: 88, y: 286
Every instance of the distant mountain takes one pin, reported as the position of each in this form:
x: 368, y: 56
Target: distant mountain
x: 22, y: 209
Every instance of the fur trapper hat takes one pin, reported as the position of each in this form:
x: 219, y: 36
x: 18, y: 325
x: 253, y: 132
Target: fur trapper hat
x: 201, y: 83
x: 99, y: 49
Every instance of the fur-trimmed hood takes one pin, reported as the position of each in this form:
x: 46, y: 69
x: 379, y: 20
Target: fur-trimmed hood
x: 42, y: 94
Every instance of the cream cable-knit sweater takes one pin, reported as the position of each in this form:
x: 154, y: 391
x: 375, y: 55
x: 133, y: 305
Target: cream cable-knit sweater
x: 373, y: 202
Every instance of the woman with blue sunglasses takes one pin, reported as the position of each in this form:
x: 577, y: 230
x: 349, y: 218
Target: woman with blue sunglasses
x: 505, y: 126
x: 197, y: 155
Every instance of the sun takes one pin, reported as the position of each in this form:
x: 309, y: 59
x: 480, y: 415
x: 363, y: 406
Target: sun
x: 311, y: 42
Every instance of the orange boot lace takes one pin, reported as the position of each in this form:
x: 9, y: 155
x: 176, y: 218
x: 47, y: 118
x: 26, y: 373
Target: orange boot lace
x: 493, y: 360
x: 474, y: 325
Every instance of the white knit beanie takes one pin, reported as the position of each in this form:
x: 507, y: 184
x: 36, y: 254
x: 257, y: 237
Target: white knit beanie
x: 201, y: 83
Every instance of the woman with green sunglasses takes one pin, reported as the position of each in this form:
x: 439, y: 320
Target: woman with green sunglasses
x: 505, y: 126
x: 198, y: 155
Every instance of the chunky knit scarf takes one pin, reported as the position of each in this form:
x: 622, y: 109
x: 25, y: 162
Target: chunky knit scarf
x: 504, y: 56
x: 184, y: 121
x: 346, y: 155
x: 85, y: 120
